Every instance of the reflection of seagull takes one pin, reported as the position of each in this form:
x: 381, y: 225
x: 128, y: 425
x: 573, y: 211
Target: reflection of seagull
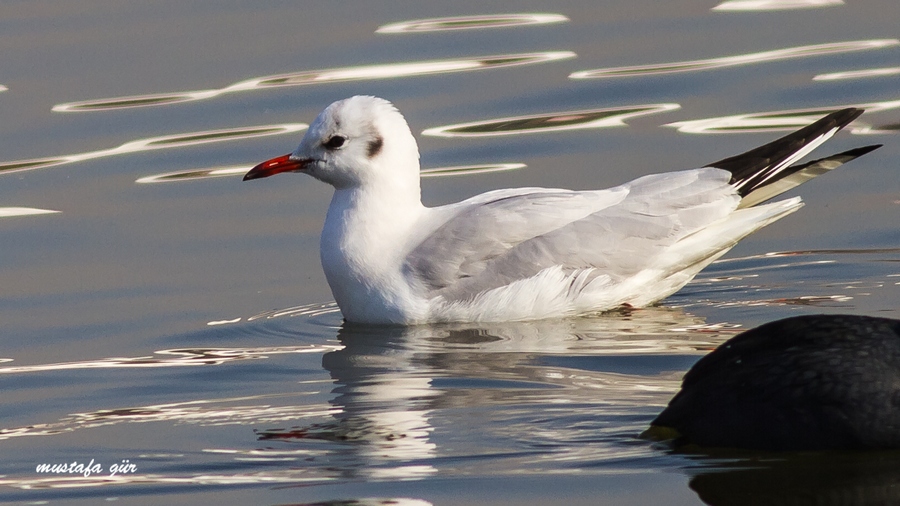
x: 804, y: 383
x: 526, y: 253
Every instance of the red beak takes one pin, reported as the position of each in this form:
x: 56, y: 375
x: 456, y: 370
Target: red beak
x: 275, y: 166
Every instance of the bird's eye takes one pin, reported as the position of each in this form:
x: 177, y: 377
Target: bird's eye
x: 335, y: 142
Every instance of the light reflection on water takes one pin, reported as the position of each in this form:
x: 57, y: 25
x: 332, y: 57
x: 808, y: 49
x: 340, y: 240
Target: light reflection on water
x: 384, y: 71
x: 773, y: 5
x: 777, y: 121
x: 193, y: 175
x: 471, y: 22
x: 396, y: 387
x: 550, y: 122
x: 393, y: 388
x: 296, y: 399
x: 465, y: 170
x: 153, y: 143
x: 858, y: 74
x: 8, y: 212
x: 731, y: 61
x: 294, y: 476
x: 751, y: 281
x: 182, y: 357
x: 204, y: 412
x: 306, y: 310
x: 240, y: 170
x: 566, y: 395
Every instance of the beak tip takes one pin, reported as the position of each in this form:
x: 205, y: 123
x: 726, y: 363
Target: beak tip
x: 272, y: 167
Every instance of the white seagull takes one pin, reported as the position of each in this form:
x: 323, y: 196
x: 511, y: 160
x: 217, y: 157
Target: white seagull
x: 527, y: 253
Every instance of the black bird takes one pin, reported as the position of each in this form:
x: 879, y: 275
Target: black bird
x: 814, y: 382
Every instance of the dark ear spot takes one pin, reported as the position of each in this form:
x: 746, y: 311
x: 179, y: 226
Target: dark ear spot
x: 374, y: 146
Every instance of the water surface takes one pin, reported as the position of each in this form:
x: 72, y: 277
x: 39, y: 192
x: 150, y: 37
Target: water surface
x: 186, y: 328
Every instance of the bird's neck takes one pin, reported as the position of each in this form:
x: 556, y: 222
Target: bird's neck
x: 383, y: 207
x: 364, y: 243
x: 369, y: 228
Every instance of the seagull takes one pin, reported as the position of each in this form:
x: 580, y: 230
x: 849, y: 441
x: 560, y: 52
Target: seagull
x: 527, y: 253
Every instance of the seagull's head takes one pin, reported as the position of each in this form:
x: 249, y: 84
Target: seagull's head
x: 352, y: 143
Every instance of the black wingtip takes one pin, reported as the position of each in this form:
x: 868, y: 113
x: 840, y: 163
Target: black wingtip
x: 841, y: 158
x: 838, y: 119
x: 798, y: 174
x: 767, y: 164
x: 844, y: 116
x: 857, y: 152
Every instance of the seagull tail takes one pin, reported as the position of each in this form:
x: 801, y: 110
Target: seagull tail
x: 767, y: 171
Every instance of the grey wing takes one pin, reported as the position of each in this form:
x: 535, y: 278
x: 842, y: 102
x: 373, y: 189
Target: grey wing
x: 486, y: 227
x: 617, y: 232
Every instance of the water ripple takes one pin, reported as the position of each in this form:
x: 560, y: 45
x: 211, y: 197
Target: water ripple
x: 471, y: 22
x: 550, y: 122
x: 152, y: 143
x: 773, y: 5
x: 204, y: 412
x: 465, y: 170
x: 180, y: 357
x: 384, y: 71
x: 858, y: 74
x: 776, y: 121
x: 7, y: 212
x: 293, y: 476
x: 744, y: 279
x: 731, y: 61
x: 305, y: 310
x: 240, y: 170
x: 806, y: 252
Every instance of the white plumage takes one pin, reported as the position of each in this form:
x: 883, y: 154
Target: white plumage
x: 525, y: 253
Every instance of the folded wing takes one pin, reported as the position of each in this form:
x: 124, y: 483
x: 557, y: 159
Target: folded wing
x: 501, y: 238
